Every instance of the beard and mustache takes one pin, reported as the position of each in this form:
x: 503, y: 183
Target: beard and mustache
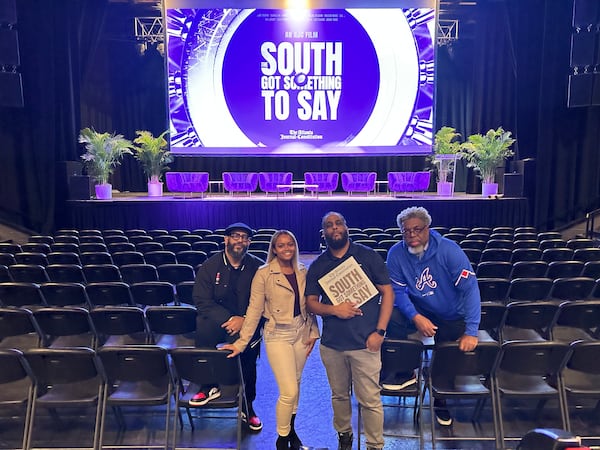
x: 339, y: 243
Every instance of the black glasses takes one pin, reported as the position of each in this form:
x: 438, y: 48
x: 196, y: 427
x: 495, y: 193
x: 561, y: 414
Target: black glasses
x: 410, y: 231
x: 239, y: 237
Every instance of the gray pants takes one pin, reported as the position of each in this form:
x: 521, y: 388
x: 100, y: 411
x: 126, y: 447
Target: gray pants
x: 359, y: 368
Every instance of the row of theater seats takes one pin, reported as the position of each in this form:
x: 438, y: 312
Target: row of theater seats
x: 110, y: 378
x: 514, y: 381
x: 538, y: 289
x: 281, y: 182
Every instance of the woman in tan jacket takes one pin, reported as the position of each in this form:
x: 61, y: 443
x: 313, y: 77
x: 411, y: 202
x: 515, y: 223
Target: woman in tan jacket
x: 290, y: 332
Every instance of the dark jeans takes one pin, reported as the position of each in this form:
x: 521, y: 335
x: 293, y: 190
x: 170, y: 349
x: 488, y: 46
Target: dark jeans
x: 209, y: 334
x: 400, y: 327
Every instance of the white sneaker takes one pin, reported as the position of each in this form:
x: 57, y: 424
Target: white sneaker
x: 400, y: 385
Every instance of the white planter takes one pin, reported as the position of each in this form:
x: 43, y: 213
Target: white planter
x: 444, y: 188
x: 103, y: 191
x: 155, y: 189
x: 488, y: 189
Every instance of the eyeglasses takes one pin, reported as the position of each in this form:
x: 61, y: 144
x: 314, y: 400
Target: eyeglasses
x: 416, y: 231
x: 239, y: 237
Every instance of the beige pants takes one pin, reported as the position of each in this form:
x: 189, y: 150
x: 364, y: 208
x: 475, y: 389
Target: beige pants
x: 287, y: 356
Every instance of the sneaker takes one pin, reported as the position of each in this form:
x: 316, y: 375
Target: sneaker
x: 253, y: 422
x: 442, y: 414
x: 345, y: 440
x: 398, y: 385
x: 204, y: 396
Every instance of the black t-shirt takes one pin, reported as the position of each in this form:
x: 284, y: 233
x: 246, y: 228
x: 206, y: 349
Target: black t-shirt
x: 348, y: 334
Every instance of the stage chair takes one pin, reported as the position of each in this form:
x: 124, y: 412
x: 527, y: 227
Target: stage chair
x: 325, y: 181
x: 136, y: 376
x: 187, y: 182
x: 530, y: 370
x: 240, y: 182
x: 268, y: 181
x: 363, y: 182
x: 65, y: 294
x: 66, y: 378
x: 401, y: 357
x: 18, y: 329
x: 21, y: 295
x: 120, y: 325
x: 408, y: 181
x: 576, y: 321
x: 16, y: 386
x: 455, y: 374
x: 172, y: 326
x: 581, y: 380
x: 195, y: 367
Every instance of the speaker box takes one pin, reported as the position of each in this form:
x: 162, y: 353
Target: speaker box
x: 513, y: 185
x: 80, y: 187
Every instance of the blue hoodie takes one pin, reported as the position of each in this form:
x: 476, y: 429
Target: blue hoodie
x: 440, y: 285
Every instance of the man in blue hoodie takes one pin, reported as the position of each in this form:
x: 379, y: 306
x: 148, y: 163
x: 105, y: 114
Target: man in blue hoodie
x: 435, y: 288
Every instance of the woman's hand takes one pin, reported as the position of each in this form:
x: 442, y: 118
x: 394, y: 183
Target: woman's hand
x: 310, y: 344
x: 230, y: 347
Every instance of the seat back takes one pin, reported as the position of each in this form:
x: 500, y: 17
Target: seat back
x: 408, y: 181
x: 187, y: 181
x: 359, y: 181
x: 325, y: 181
x: 240, y: 181
x: 269, y: 181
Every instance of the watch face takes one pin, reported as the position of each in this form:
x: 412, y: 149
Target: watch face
x: 380, y: 332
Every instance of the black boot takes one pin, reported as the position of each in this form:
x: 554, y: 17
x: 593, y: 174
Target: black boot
x: 283, y: 443
x: 345, y: 440
x: 295, y: 442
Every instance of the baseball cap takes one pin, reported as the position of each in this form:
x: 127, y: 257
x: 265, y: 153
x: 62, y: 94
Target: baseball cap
x: 238, y: 226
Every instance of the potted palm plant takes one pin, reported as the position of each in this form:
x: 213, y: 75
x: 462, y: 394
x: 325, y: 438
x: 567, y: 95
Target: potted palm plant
x: 153, y: 155
x: 104, y: 152
x: 446, y: 151
x: 485, y: 153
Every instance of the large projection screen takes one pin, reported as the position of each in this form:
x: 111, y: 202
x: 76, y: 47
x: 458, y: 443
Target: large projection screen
x: 271, y: 78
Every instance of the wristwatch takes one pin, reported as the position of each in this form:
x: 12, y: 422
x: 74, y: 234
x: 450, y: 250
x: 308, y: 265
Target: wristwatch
x: 380, y: 332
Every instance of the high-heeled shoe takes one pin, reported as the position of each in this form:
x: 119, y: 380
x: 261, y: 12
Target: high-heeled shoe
x: 283, y: 442
x: 295, y: 442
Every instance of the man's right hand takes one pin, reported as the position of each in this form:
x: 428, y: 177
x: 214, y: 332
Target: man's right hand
x: 424, y: 325
x: 347, y: 310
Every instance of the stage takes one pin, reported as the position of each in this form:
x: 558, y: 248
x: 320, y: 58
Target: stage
x: 300, y: 213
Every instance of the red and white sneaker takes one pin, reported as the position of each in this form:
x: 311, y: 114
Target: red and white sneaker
x: 204, y: 396
x: 253, y: 422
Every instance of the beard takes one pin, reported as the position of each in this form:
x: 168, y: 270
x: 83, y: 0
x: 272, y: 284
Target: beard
x: 336, y: 244
x: 235, y: 253
x: 418, y: 250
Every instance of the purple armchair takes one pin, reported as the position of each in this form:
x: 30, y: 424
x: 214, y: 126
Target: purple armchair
x: 268, y: 181
x: 240, y: 182
x: 185, y: 182
x: 408, y: 181
x: 358, y: 182
x: 325, y: 181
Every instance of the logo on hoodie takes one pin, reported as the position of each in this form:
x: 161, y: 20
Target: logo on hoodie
x: 425, y: 279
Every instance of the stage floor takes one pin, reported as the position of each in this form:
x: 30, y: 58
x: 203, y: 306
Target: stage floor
x: 300, y: 213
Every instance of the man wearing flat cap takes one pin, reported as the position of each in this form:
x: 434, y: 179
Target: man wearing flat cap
x: 221, y: 294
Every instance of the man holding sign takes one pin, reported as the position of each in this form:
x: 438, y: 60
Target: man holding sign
x: 349, y: 286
